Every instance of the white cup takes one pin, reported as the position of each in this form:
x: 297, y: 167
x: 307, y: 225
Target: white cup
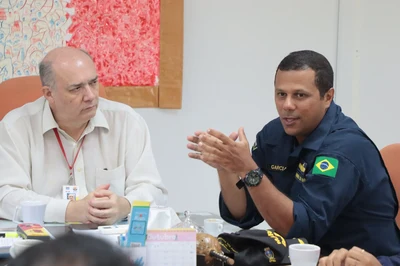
x: 213, y: 226
x: 32, y: 211
x: 304, y: 254
x: 20, y: 245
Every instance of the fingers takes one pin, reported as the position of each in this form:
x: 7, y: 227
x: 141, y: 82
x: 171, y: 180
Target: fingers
x: 101, y: 213
x: 98, y: 220
x: 336, y: 258
x: 102, y: 209
x: 104, y: 186
x: 242, y: 135
x: 323, y: 261
x: 233, y: 136
x: 356, y: 253
x: 331, y: 258
x: 103, y: 203
x: 356, y: 250
x: 103, y: 193
x: 223, y: 138
x: 340, y: 256
x: 362, y: 257
x: 195, y: 155
x: 351, y: 262
x: 195, y: 137
x: 210, y: 140
x: 192, y: 147
x: 198, y: 133
x: 204, y: 149
x: 213, y: 142
x: 202, y: 144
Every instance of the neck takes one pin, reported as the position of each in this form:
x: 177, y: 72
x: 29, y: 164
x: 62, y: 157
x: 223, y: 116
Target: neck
x: 300, y: 139
x: 74, y: 130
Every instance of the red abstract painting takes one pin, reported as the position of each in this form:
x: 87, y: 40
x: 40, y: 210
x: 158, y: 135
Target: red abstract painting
x: 123, y: 36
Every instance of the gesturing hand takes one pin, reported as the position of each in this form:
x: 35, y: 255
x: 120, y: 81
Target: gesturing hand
x: 223, y: 152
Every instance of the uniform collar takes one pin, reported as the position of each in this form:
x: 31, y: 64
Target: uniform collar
x: 278, y: 137
x: 317, y: 137
x: 49, y: 123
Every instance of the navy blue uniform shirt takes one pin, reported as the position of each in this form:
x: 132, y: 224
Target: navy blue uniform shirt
x: 337, y: 181
x: 390, y: 261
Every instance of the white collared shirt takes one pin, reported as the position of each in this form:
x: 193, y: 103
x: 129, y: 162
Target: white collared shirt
x: 116, y: 151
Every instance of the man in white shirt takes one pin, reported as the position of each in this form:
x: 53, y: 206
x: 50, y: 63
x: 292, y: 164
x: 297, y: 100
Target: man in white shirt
x: 70, y: 139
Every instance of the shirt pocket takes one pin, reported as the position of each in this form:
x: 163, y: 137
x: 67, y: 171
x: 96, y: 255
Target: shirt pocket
x: 115, y: 177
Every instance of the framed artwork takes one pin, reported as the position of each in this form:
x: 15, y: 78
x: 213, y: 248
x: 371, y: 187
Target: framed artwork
x: 137, y: 45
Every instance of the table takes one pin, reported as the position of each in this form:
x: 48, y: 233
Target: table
x: 59, y: 229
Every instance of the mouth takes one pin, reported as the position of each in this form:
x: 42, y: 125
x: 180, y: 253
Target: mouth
x: 289, y: 120
x: 89, y: 108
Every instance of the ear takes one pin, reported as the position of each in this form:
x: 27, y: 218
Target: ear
x: 328, y: 97
x: 48, y: 93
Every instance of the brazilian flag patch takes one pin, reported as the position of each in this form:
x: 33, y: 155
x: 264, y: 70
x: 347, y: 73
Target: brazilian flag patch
x: 325, y: 166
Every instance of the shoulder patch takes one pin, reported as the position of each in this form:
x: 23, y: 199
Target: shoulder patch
x: 254, y: 146
x: 326, y: 166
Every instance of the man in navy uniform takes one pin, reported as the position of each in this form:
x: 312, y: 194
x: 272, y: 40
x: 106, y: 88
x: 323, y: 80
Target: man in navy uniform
x: 311, y: 173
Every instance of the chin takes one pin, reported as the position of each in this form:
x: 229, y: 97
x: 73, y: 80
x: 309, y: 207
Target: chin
x: 90, y: 113
x: 291, y: 131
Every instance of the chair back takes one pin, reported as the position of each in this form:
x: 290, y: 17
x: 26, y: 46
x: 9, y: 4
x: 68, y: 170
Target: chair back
x: 16, y: 92
x: 391, y: 157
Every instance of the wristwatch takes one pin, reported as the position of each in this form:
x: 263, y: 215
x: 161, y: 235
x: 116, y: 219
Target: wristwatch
x: 251, y: 179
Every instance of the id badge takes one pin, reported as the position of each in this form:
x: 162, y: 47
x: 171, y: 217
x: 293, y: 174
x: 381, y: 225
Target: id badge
x: 71, y: 193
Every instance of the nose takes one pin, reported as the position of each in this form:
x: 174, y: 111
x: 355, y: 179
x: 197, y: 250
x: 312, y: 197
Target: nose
x: 289, y: 104
x: 89, y: 93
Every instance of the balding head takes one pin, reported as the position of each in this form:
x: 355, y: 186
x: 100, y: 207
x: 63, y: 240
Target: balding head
x: 54, y: 59
x: 70, y: 85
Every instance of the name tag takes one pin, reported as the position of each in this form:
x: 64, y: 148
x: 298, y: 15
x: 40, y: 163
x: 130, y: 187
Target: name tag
x: 71, y: 193
x: 276, y: 167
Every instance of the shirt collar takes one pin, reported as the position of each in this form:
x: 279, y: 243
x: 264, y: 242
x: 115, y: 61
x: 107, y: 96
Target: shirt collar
x: 316, y: 138
x: 49, y: 123
x: 313, y: 141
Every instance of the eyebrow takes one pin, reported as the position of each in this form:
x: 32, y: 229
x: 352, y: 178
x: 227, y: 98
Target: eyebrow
x: 296, y: 91
x: 82, y: 83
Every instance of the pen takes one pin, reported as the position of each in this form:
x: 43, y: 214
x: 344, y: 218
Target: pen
x: 9, y: 235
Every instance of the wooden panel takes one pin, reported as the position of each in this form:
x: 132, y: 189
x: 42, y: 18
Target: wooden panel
x: 171, y: 54
x: 169, y: 92
x: 134, y: 96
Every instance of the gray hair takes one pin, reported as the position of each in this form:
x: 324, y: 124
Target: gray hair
x: 46, y: 73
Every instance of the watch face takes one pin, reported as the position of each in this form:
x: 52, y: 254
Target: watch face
x: 253, y: 179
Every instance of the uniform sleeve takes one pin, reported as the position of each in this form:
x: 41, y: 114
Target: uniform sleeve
x: 143, y: 180
x: 252, y: 216
x: 389, y: 261
x: 16, y: 183
x: 321, y: 197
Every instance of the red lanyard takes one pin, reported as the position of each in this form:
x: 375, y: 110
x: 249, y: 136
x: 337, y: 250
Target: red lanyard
x: 63, y: 151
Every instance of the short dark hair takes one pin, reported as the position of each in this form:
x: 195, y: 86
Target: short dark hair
x: 73, y: 249
x: 307, y: 59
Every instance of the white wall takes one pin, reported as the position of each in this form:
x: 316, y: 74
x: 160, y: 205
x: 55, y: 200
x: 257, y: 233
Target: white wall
x: 231, y: 51
x: 369, y: 66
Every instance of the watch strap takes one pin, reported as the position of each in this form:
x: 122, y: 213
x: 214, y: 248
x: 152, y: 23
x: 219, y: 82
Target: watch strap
x: 240, y: 184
